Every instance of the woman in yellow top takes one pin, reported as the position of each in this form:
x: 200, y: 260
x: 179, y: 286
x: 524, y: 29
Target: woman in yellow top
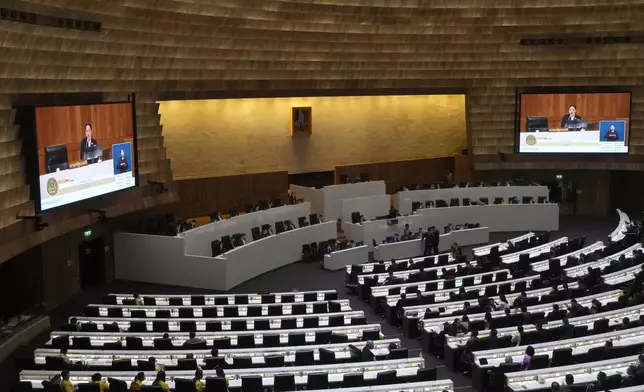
x: 137, y: 383
x: 97, y: 379
x: 160, y: 381
x: 65, y: 384
x: 200, y: 386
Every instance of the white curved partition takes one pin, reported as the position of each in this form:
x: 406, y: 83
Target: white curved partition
x: 404, y: 199
x: 620, y: 231
x: 161, y: 259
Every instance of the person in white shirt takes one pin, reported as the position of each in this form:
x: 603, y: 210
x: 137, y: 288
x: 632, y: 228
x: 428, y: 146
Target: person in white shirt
x: 138, y: 300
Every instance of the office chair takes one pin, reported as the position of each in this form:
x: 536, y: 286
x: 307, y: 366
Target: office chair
x: 215, y: 384
x: 296, y: 339
x: 138, y: 313
x: 373, y: 335
x: 304, y: 358
x: 184, y: 385
x: 386, y: 377
x: 246, y: 341
x: 339, y: 338
x: 310, y: 297
x: 241, y: 300
x: 311, y: 322
x: 213, y: 326
x: 284, y: 382
x: 352, y: 380
x: 426, y: 374
x: 336, y: 321
x: 49, y: 387
x: 162, y: 313
x: 238, y: 325
x: 82, y: 343
x: 221, y: 300
x: 87, y: 387
x: 398, y: 353
x: 231, y: 311
x: 138, y: 326
x: 335, y: 307
x: 600, y: 326
x: 160, y: 326
x: 327, y: 357
x: 255, y: 311
x: 539, y: 362
x: 469, y: 281
x: 163, y: 344
x: 186, y: 313
x: 320, y: 307
x: 275, y: 310
x: 222, y: 343
x: 188, y: 326
x: 144, y: 365
x: 287, y: 298
x: 252, y: 384
x: 561, y: 357
x: 151, y: 388
x: 187, y: 364
x: 359, y: 320
x: 121, y: 364
x: 112, y: 345
x: 117, y: 385
x: 322, y: 337
x: 242, y: 362
x: 271, y: 341
x: 318, y: 380
x: 115, y: 312
x: 262, y: 325
x: 274, y: 361
x: 298, y: 309
x: 55, y: 363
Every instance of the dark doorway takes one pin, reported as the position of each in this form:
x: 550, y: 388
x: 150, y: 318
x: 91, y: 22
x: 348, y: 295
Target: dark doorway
x: 91, y: 258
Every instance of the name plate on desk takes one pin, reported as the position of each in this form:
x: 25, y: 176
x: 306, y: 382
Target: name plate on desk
x: 392, y: 222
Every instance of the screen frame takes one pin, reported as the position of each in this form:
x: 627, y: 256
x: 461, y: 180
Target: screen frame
x: 519, y: 91
x: 34, y: 176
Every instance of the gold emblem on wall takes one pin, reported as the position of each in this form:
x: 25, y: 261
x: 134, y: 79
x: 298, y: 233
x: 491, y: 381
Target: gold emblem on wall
x: 301, y: 121
x: 52, y: 186
x: 531, y: 140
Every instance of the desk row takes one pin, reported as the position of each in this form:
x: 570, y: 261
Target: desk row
x: 222, y: 340
x: 220, y: 299
x: 94, y: 324
x: 216, y: 311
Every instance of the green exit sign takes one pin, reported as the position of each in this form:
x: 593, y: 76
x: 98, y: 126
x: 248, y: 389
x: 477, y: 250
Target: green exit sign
x: 87, y: 233
x: 559, y: 177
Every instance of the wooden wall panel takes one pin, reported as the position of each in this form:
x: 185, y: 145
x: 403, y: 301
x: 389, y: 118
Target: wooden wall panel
x: 396, y: 174
x: 205, y: 196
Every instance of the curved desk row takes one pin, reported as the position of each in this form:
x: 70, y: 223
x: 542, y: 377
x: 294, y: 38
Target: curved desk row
x: 404, y: 367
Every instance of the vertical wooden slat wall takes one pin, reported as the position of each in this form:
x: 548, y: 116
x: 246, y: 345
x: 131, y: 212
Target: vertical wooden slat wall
x: 197, y: 48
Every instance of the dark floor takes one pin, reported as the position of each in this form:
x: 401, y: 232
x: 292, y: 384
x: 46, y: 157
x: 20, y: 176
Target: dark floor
x: 301, y: 277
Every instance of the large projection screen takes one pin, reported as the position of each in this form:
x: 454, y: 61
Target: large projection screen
x: 574, y: 122
x: 84, y: 151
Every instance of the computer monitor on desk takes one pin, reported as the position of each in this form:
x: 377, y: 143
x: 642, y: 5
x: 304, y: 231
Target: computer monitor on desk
x: 536, y: 124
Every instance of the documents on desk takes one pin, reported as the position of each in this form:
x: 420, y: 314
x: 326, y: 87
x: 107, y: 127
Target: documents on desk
x: 533, y: 252
x: 485, y: 250
x: 583, y: 373
x: 405, y: 274
x: 170, y: 357
x: 164, y: 299
x: 287, y: 308
x: 404, y: 367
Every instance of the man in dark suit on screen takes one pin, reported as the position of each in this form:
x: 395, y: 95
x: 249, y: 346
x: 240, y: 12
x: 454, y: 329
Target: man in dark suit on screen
x: 571, y: 119
x: 87, y: 144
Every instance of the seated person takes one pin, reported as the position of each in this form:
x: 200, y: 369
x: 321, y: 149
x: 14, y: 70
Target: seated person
x: 193, y: 339
x: 367, y: 354
x: 102, y: 384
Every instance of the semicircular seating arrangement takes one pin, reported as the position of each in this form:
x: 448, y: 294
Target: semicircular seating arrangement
x: 525, y: 313
x: 279, y: 341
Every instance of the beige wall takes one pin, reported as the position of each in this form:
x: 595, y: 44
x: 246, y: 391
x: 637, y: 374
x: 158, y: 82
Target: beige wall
x: 207, y: 138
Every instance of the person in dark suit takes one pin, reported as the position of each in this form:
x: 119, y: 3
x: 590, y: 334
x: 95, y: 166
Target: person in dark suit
x: 367, y: 354
x: 87, y: 142
x: 571, y: 119
x: 435, y: 240
x: 611, y: 135
x: 426, y: 238
x: 122, y: 164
